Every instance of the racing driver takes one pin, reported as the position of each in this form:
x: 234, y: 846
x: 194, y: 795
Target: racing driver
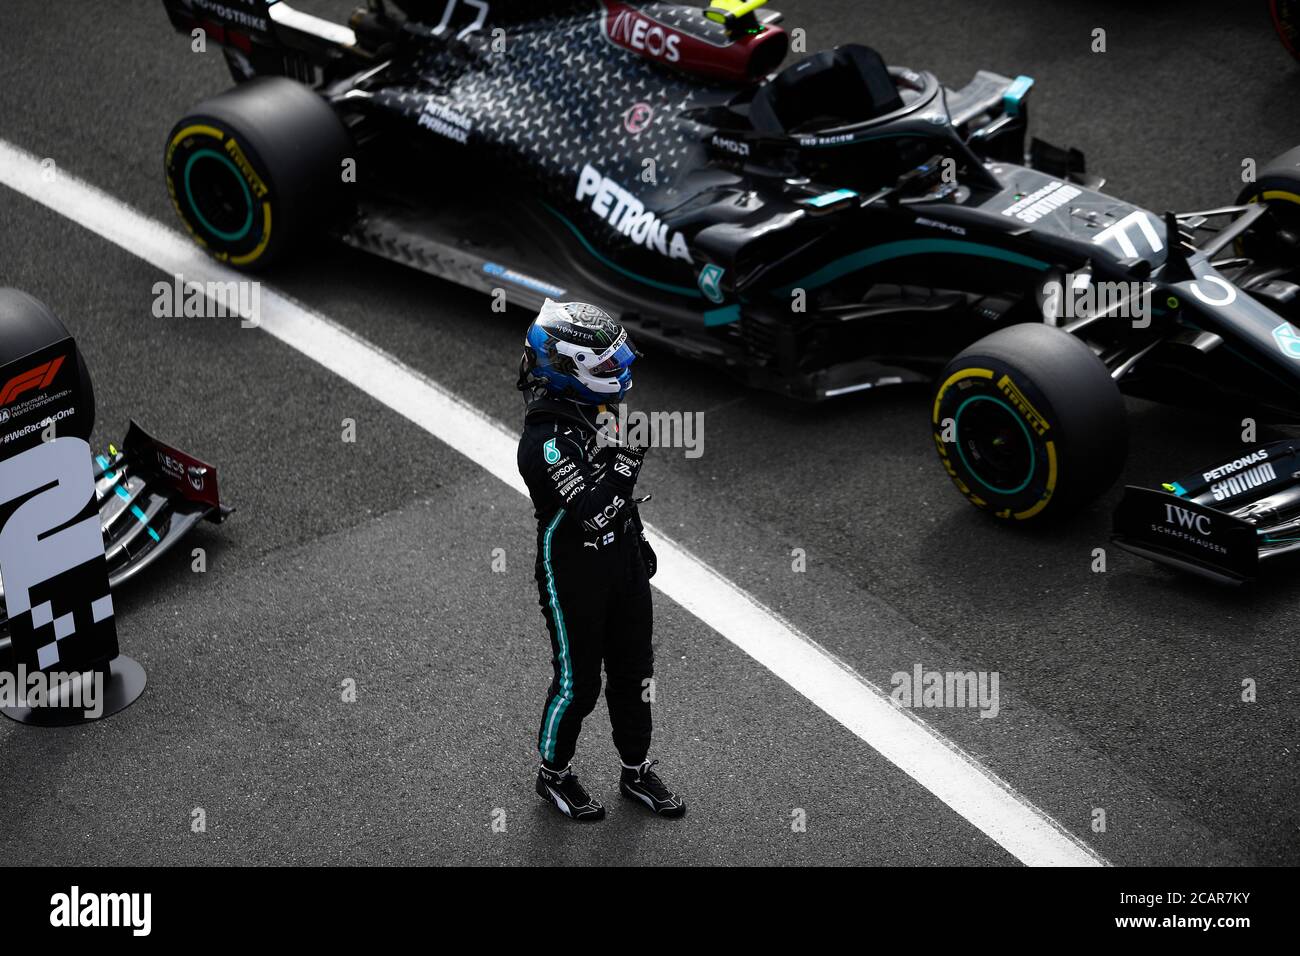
x: 593, y: 562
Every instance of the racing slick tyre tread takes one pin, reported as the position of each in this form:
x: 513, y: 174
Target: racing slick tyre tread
x: 28, y: 325
x: 1037, y: 427
x: 256, y: 171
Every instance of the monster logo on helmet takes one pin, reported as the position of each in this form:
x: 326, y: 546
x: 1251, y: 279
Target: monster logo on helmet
x: 578, y: 351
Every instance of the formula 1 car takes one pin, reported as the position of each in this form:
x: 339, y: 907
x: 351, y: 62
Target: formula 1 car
x: 149, y: 494
x: 833, y: 226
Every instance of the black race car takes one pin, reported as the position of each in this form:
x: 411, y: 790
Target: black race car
x: 819, y: 229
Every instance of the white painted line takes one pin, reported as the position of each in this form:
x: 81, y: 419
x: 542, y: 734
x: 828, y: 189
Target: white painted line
x: 922, y: 753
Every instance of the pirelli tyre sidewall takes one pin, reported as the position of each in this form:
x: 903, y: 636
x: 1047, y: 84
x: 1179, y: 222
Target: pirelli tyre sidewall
x: 1278, y: 185
x: 1028, y: 423
x: 257, y: 171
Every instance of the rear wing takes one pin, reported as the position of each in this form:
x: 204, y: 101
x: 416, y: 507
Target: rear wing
x: 235, y: 23
x: 270, y: 37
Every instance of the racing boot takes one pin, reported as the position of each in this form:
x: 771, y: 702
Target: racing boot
x: 561, y: 787
x: 642, y: 783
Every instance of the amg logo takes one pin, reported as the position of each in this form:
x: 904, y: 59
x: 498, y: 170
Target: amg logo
x: 1185, y: 518
x: 936, y: 224
x: 628, y: 215
x: 1039, y: 203
x: 1237, y: 484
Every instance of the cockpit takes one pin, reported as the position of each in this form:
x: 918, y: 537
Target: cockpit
x: 849, y: 84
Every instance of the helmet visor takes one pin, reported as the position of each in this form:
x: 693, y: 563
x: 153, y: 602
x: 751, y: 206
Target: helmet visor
x: 616, y: 360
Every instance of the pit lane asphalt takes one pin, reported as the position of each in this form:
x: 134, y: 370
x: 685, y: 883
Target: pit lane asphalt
x: 371, y: 561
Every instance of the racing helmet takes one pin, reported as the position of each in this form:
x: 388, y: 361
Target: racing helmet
x: 577, y: 351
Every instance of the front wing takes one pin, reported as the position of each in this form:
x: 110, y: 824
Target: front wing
x: 150, y: 496
x: 1221, y: 523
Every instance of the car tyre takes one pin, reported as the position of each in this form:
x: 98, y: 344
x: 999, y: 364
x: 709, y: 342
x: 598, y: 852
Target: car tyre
x: 1029, y: 424
x: 256, y: 172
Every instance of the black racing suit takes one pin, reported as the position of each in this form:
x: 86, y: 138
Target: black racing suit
x: 592, y: 579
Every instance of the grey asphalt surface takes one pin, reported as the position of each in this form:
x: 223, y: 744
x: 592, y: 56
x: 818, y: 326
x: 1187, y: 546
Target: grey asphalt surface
x: 371, y: 561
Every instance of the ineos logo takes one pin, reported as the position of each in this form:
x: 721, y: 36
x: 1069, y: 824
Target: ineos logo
x: 635, y: 32
x: 598, y: 521
x: 1183, y: 518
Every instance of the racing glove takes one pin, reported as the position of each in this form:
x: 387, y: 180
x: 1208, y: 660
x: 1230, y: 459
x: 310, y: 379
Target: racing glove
x: 624, y: 465
x: 648, y: 557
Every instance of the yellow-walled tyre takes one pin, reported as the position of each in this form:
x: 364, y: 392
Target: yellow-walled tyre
x: 1278, y: 185
x: 256, y: 171
x: 1028, y: 423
